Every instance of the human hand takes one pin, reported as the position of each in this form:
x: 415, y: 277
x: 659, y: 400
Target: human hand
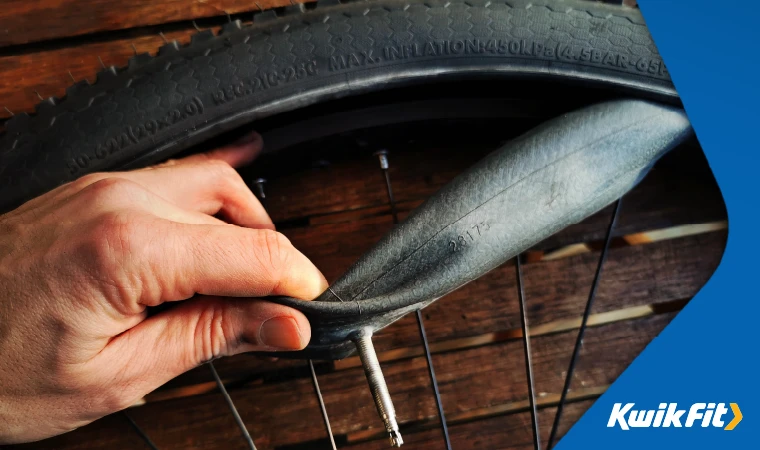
x: 80, y: 265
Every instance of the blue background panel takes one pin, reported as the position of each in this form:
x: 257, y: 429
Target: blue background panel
x: 710, y: 351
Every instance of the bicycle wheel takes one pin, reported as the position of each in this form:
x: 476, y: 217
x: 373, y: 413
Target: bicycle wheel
x: 375, y: 58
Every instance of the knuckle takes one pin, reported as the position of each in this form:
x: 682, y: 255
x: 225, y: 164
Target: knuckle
x: 220, y: 168
x: 86, y: 180
x: 122, y: 227
x: 226, y: 173
x: 219, y: 173
x: 272, y: 247
x: 168, y: 163
x: 110, y: 190
x: 114, y: 236
x: 234, y: 181
x: 228, y: 181
x: 213, y: 333
x: 273, y: 255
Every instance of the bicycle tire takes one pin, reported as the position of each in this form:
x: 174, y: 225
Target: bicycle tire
x: 301, y: 55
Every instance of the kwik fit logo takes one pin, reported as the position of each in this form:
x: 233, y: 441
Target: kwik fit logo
x: 669, y: 415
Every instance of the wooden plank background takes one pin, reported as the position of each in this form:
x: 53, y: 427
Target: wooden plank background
x: 474, y: 331
x: 334, y: 210
x: 28, y: 21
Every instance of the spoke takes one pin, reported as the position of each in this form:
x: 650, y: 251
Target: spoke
x: 322, y: 407
x: 528, y: 360
x: 434, y: 381
x: 584, y: 321
x: 383, y: 156
x: 140, y: 431
x: 261, y: 194
x: 231, y: 405
x: 391, y: 200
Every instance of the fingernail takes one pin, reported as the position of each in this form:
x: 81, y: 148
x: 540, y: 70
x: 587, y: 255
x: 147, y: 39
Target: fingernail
x: 281, y: 333
x: 247, y: 139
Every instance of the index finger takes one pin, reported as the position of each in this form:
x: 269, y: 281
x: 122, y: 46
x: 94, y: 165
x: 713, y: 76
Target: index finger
x: 224, y: 260
x: 237, y: 154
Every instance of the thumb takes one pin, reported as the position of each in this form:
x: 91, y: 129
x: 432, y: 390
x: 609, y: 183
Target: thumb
x: 195, y: 331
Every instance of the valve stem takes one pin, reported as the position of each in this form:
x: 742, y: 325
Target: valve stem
x: 382, y: 156
x: 259, y: 183
x: 377, y: 385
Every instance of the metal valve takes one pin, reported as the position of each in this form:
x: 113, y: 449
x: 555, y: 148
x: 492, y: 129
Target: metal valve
x: 377, y: 385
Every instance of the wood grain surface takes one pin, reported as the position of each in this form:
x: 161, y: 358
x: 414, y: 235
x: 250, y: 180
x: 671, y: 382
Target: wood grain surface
x: 26, y: 21
x: 482, y: 382
x: 49, y: 71
x: 286, y: 413
x: 330, y: 201
x: 474, y: 331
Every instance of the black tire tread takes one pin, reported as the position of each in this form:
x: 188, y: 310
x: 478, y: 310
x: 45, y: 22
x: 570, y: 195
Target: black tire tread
x: 36, y: 151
